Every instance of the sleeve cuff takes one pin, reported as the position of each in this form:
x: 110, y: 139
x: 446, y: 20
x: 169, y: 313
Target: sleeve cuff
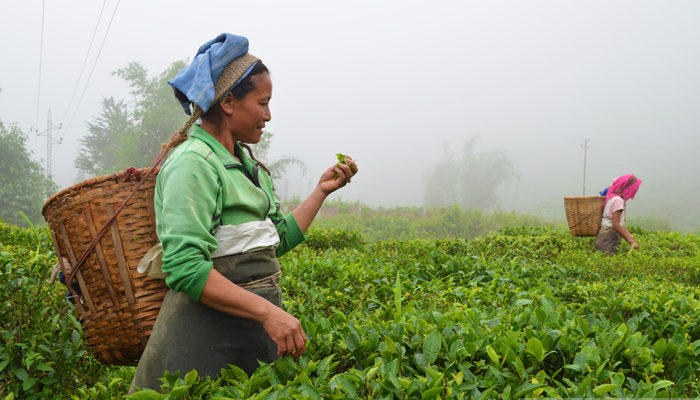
x: 192, y: 285
x: 294, y: 233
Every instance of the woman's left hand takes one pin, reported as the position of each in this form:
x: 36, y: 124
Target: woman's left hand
x: 337, y: 176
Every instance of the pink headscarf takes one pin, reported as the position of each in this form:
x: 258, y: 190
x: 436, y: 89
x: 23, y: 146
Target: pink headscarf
x: 625, y: 186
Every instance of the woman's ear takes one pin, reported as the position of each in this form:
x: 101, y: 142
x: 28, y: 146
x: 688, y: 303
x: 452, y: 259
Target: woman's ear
x: 226, y: 104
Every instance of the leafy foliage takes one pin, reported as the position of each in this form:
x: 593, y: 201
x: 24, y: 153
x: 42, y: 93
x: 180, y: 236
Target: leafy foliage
x: 323, y: 239
x: 523, y: 312
x: 42, y: 351
x: 470, y: 182
x: 23, y: 185
x: 157, y: 113
x: 106, y: 149
x: 121, y: 137
x: 407, y: 223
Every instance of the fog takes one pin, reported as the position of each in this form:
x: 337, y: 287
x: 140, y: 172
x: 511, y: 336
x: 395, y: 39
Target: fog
x: 395, y: 83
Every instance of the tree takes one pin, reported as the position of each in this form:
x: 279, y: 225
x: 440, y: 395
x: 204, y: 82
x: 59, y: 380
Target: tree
x: 22, y: 182
x: 110, y: 144
x: 157, y: 113
x: 470, y: 182
x: 121, y: 137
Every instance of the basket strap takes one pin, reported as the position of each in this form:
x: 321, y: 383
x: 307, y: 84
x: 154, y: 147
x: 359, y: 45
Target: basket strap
x: 104, y: 229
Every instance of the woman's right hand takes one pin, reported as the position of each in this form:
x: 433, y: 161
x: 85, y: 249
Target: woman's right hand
x: 634, y: 245
x: 223, y: 295
x: 286, y: 331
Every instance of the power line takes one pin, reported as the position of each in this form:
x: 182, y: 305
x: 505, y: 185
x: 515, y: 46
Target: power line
x: 82, y: 69
x: 77, y: 106
x: 41, y: 52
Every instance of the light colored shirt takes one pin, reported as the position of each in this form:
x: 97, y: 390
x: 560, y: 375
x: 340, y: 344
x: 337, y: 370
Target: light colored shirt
x: 615, y: 203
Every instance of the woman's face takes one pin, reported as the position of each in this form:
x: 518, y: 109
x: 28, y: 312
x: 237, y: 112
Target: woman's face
x: 252, y: 112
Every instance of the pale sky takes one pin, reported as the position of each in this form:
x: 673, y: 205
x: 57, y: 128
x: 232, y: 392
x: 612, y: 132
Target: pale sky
x: 393, y: 83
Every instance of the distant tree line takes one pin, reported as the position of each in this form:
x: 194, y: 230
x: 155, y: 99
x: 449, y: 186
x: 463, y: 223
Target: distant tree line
x: 469, y: 181
x: 129, y: 134
x: 23, y: 183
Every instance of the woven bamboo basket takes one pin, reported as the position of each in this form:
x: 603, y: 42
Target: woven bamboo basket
x: 584, y: 214
x: 120, y: 304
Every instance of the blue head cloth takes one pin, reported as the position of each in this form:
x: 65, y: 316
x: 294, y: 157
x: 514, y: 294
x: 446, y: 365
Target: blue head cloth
x: 195, y: 83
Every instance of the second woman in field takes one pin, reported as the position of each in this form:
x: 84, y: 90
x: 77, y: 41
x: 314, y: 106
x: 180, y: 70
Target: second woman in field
x: 612, y: 226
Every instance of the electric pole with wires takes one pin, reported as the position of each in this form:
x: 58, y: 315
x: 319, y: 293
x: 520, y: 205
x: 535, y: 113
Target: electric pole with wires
x: 49, y: 142
x: 585, y: 151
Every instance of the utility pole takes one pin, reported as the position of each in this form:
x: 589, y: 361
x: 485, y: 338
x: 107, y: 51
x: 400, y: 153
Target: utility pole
x: 585, y: 150
x: 49, y: 141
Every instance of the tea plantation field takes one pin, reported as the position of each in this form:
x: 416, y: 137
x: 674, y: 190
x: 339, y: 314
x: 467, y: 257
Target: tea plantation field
x: 520, y: 313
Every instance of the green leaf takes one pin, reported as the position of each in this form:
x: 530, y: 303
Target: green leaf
x: 420, y: 360
x: 345, y: 385
x: 28, y: 383
x: 147, y: 394
x: 431, y: 393
x: 397, y: 295
x: 492, y: 354
x: 44, y: 367
x: 522, y: 302
x: 661, y: 384
x: 75, y: 337
x: 309, y: 391
x: 353, y: 340
x: 604, y: 388
x: 618, y: 379
x: 431, y: 347
x: 191, y: 377
x: 48, y: 380
x: 179, y: 391
x: 534, y: 347
x: 21, y: 374
x: 114, y: 381
x: 74, y: 321
x: 239, y: 374
x: 527, y: 388
x: 660, y: 347
x: 372, y: 372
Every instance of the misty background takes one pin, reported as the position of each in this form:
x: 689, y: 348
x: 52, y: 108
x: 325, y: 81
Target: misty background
x: 400, y: 85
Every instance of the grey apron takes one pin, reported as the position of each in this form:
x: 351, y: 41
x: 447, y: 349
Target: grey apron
x: 190, y: 335
x: 607, y: 241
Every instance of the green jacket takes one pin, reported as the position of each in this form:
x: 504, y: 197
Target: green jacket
x: 202, y: 188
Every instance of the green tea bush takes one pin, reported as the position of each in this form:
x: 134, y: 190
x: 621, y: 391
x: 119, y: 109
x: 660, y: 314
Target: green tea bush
x: 524, y: 312
x: 406, y: 223
x: 322, y: 239
x: 42, y: 354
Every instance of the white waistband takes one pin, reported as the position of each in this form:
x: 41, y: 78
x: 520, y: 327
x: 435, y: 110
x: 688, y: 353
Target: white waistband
x: 243, y: 238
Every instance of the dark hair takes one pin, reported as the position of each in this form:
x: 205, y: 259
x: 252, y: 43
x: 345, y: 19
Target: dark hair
x: 246, y: 85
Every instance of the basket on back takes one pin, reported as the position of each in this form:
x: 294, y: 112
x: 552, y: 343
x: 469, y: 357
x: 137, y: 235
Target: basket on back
x: 119, y: 304
x: 584, y: 214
